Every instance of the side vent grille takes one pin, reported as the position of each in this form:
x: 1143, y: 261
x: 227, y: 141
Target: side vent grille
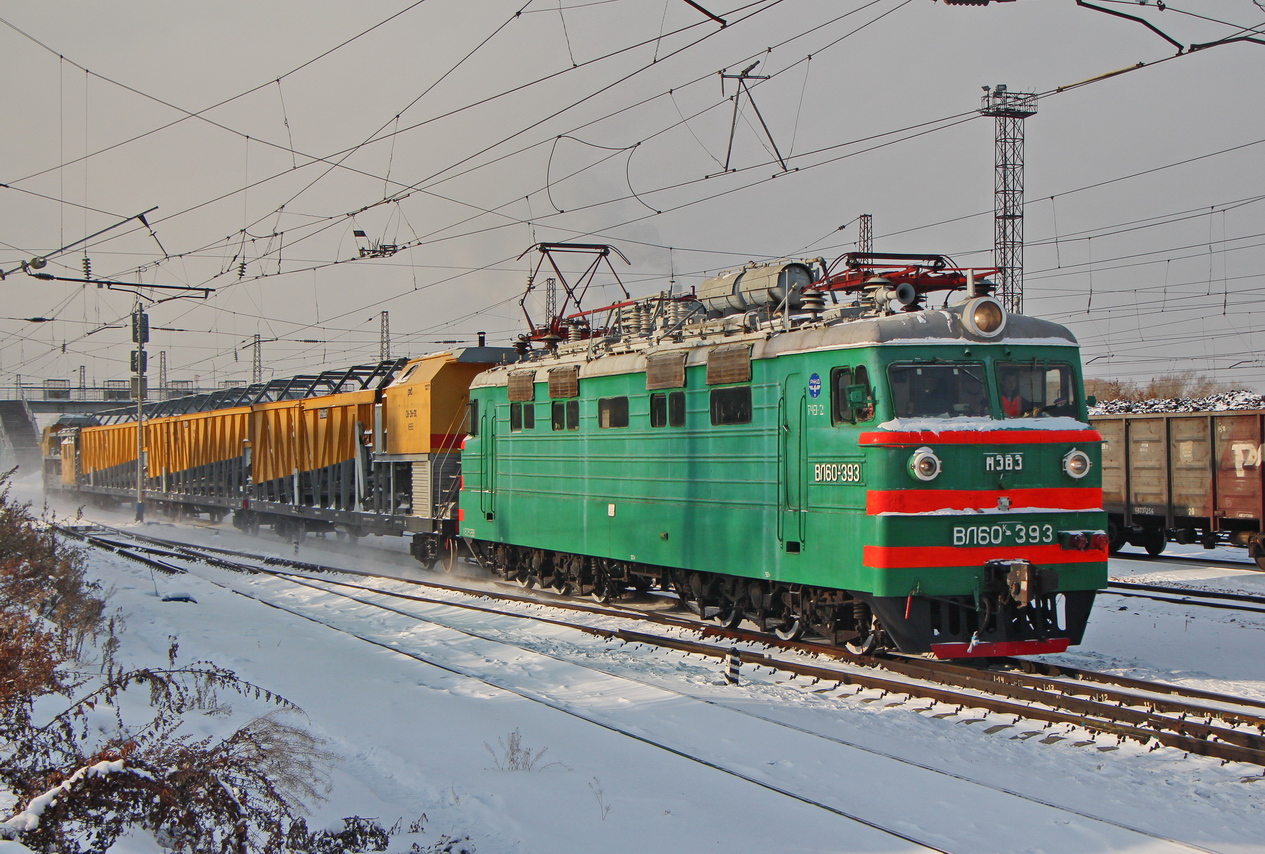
x: 564, y: 382
x: 522, y: 386
x: 665, y: 370
x: 729, y: 364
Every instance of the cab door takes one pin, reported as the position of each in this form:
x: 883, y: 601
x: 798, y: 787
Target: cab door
x: 487, y: 460
x: 791, y: 464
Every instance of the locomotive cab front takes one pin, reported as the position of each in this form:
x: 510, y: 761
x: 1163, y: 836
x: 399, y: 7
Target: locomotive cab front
x: 984, y: 508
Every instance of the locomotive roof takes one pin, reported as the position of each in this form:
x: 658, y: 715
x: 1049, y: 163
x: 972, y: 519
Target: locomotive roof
x: 942, y: 326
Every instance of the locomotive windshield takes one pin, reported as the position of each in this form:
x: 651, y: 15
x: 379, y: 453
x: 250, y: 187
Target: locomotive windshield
x: 1037, y: 389
x: 941, y: 390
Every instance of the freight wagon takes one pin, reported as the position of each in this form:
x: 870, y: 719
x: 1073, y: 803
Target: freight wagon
x: 369, y: 450
x: 1191, y: 477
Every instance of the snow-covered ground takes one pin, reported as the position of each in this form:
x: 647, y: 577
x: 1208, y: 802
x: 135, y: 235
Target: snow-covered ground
x: 651, y: 751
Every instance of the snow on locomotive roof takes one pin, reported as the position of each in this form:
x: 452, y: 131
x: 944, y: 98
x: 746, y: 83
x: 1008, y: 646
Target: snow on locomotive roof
x: 920, y: 327
x: 907, y: 328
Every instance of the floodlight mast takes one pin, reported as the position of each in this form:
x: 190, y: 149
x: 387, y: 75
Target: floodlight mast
x: 1009, y: 109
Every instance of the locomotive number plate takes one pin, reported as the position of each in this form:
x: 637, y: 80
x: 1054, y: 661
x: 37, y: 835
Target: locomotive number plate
x: 1002, y: 534
x: 1003, y: 462
x: 836, y: 472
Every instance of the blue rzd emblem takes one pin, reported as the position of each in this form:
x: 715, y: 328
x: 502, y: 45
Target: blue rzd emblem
x: 814, y: 386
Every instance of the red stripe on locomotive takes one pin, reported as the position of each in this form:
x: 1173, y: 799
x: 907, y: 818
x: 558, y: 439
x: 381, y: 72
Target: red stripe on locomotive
x: 929, y: 500
x: 910, y: 557
x: 979, y: 437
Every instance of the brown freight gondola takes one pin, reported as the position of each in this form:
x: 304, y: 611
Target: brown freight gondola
x: 1189, y: 477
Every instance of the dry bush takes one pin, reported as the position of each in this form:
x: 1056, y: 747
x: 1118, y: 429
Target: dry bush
x: 87, y: 774
x: 240, y: 793
x: 1164, y: 387
x: 1181, y: 384
x: 1111, y: 389
x: 30, y: 658
x: 514, y: 756
x: 357, y: 834
x: 44, y: 576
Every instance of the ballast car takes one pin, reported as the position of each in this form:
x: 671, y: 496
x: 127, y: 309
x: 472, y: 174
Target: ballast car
x: 367, y: 450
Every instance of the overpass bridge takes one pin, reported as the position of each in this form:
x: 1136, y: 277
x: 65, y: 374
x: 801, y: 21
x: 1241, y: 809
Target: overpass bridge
x: 60, y: 397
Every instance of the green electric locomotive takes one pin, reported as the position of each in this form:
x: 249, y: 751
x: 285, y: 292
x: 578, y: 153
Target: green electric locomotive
x: 816, y: 452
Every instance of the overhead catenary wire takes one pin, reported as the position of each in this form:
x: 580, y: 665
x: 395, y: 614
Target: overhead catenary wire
x: 630, y: 189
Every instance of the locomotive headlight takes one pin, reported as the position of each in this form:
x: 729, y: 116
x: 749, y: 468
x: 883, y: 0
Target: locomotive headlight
x: 1076, y: 464
x: 924, y: 464
x: 984, y: 316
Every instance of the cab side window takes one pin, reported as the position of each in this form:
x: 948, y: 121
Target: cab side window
x: 851, y: 399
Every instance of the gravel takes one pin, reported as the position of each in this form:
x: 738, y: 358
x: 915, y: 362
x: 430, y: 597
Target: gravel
x: 1223, y: 401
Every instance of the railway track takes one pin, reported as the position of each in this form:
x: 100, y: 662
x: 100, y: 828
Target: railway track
x: 1245, y: 602
x: 1204, y: 723
x: 1246, y: 564
x: 163, y: 555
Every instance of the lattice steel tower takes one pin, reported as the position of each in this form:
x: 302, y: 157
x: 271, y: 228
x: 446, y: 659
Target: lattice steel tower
x: 865, y: 233
x: 1010, y: 109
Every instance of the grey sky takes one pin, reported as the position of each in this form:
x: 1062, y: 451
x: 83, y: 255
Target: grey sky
x: 426, y: 144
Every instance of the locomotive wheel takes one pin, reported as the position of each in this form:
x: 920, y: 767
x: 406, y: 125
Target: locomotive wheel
x: 731, y: 611
x: 685, y: 592
x: 601, y: 583
x: 730, y: 614
x: 1115, y: 540
x: 866, y: 642
x: 868, y: 627
x: 789, y: 629
x: 1154, y: 542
